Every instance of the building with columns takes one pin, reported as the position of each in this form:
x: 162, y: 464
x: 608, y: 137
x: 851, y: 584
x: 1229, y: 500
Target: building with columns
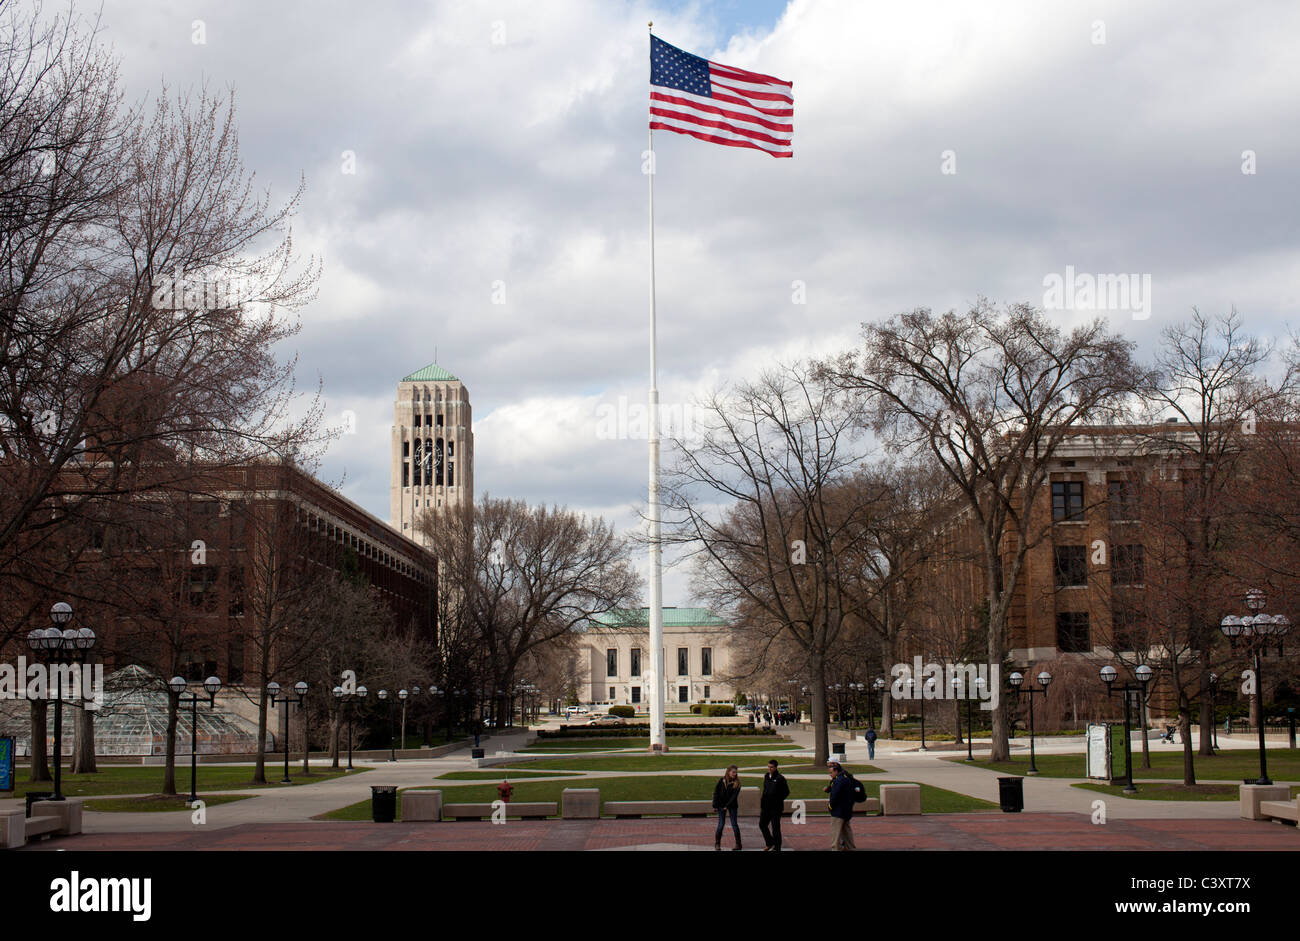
x: 697, y: 658
x: 433, y: 447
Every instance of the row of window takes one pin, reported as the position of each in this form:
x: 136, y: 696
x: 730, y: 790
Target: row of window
x: 1068, y: 503
x: 683, y: 693
x: 683, y: 661
x: 1074, y: 633
x: 1127, y: 566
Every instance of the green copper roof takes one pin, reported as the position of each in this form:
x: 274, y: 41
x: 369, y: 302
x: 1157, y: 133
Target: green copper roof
x: 431, y: 373
x: 673, y: 617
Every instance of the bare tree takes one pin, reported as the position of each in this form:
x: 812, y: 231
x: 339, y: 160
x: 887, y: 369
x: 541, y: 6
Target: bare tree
x: 767, y: 503
x: 527, y: 576
x: 989, y: 396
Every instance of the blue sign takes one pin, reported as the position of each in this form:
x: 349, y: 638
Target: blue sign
x: 6, y: 764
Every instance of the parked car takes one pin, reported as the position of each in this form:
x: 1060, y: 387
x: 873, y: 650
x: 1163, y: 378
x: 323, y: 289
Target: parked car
x: 608, y: 720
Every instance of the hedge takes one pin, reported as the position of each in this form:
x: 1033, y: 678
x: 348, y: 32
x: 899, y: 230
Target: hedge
x: 625, y: 712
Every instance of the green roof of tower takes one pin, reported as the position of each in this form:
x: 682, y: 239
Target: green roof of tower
x: 431, y: 373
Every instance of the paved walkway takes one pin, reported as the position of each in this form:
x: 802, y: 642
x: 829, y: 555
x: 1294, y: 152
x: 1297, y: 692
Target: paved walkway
x: 940, y: 832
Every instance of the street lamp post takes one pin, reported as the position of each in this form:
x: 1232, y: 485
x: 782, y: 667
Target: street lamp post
x: 1256, y: 630
x: 300, y: 693
x: 392, y: 732
x: 178, y: 686
x: 1017, y: 686
x: 1144, y: 675
x: 62, y: 645
x: 878, y: 686
x: 348, y: 701
x: 1214, y: 719
x: 959, y: 683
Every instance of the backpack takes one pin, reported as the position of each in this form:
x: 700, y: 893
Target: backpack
x: 859, y: 792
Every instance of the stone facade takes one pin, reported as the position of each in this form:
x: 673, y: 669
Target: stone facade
x: 432, y: 463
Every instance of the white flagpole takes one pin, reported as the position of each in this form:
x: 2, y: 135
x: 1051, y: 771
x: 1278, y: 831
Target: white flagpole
x: 657, y: 741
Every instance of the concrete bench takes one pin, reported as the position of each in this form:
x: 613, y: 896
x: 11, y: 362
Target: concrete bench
x: 900, y: 800
x: 13, y: 829
x: 1254, y: 795
x: 580, y: 803
x: 536, y: 810
x: 1281, y: 810
x: 625, y: 809
x: 41, y: 826
x: 421, y: 806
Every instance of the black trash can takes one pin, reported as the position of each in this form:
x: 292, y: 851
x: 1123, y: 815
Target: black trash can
x: 383, y: 803
x: 476, y: 753
x: 837, y: 749
x: 34, y: 796
x: 1012, y: 793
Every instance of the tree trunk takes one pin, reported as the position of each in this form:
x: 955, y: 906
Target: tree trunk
x: 334, y: 740
x: 40, y: 767
x: 821, y: 740
x: 259, y: 768
x: 1000, y: 747
x: 1207, y: 716
x: 1185, y: 727
x: 83, y: 749
x: 306, y: 744
x: 169, y: 749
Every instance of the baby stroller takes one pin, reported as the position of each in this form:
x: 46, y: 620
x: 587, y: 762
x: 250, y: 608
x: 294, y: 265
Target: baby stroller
x: 1168, y: 737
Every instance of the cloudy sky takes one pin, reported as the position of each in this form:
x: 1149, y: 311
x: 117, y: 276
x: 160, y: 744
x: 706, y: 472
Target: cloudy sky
x: 942, y: 151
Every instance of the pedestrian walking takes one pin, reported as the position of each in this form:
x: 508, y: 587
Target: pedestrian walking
x: 841, y: 803
x: 771, y: 804
x: 871, y: 743
x: 726, y: 800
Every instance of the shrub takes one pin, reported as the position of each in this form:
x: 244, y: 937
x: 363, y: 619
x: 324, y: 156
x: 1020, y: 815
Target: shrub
x: 719, y: 710
x: 626, y: 712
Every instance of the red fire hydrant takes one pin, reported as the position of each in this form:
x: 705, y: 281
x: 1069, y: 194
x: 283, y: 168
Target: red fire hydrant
x: 504, y: 790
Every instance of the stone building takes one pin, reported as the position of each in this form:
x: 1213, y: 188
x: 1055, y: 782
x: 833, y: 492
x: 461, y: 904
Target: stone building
x: 697, y: 659
x: 432, y: 463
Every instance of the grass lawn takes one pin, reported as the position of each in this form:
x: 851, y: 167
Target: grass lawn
x: 1170, y: 791
x: 1235, y: 766
x: 637, y: 762
x: 155, y: 802
x: 504, y: 773
x: 934, y: 800
x: 811, y: 768
x: 141, y: 779
x: 610, y: 742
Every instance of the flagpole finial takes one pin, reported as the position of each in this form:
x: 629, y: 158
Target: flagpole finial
x: 650, y: 25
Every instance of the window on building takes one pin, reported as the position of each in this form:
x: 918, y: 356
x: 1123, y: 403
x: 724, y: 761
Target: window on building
x: 235, y: 660
x: 1067, y: 500
x: 683, y: 661
x: 611, y: 694
x: 706, y: 661
x: 1128, y: 630
x: 1071, y: 566
x: 1127, y: 565
x: 419, y: 460
x: 707, y: 693
x: 1072, y: 635
x: 683, y: 693
x: 611, y: 662
x: 406, y: 474
x: 636, y: 693
x: 1123, y: 500
x: 236, y: 592
x: 406, y: 449
x: 437, y: 462
x: 636, y: 661
x: 451, y: 472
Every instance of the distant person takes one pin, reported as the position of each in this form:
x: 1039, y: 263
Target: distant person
x: 841, y: 806
x: 771, y: 804
x: 871, y: 743
x: 726, y: 800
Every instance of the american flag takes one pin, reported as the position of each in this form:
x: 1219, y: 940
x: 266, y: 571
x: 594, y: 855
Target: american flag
x: 718, y: 103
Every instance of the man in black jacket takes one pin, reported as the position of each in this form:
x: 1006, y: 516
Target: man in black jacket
x: 770, y: 806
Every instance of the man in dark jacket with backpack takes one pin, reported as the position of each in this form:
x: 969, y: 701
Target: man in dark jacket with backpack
x: 771, y: 805
x: 842, y: 798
